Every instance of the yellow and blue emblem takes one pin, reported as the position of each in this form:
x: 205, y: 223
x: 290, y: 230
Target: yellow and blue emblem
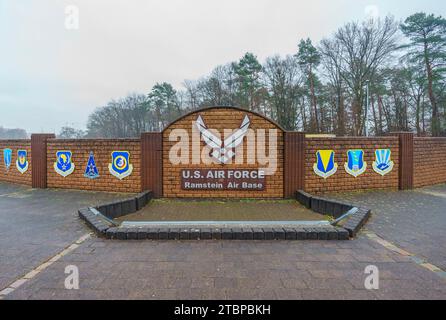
x: 7, y: 158
x: 22, y: 161
x: 355, y: 164
x: 325, y: 165
x: 382, y: 163
x: 63, y: 165
x: 120, y: 167
x: 91, y: 171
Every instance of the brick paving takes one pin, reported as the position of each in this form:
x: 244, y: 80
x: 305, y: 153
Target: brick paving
x: 413, y: 220
x: 112, y: 269
x: 37, y: 224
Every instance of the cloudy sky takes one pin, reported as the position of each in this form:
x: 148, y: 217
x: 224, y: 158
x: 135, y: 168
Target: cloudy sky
x: 52, y: 76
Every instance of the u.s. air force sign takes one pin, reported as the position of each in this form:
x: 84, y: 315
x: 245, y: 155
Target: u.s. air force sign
x: 222, y: 179
x: 223, y: 152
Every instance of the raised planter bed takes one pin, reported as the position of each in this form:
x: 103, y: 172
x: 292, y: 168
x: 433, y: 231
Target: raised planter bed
x: 100, y: 219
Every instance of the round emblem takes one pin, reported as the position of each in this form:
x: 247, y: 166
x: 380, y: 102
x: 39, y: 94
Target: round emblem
x: 120, y: 162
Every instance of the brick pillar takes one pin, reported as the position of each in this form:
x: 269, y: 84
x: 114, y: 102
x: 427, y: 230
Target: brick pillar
x: 294, y: 163
x: 152, y: 163
x: 38, y: 158
x: 405, y: 172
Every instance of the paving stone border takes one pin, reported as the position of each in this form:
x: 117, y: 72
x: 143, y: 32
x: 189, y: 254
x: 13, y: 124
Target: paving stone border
x: 355, y: 217
x: 100, y: 219
x: 310, y: 233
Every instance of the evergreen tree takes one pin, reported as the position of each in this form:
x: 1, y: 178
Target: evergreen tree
x: 247, y: 72
x: 309, y: 58
x: 427, y: 34
x: 163, y: 103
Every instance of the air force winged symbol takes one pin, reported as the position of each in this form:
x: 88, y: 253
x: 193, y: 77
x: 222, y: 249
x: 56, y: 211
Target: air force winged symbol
x: 382, y: 164
x: 223, y: 151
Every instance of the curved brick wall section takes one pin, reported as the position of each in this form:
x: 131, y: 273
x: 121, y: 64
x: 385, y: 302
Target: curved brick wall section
x: 341, y: 180
x: 220, y: 119
x: 102, y: 152
x: 13, y: 175
x: 429, y: 161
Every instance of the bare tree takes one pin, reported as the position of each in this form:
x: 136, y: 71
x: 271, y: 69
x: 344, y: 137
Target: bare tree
x: 126, y: 117
x: 364, y: 47
x: 405, y: 94
x: 331, y: 61
x: 282, y: 78
x: 68, y: 132
x: 12, y: 133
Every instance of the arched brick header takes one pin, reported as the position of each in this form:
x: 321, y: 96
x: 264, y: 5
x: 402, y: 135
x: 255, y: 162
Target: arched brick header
x: 226, y: 108
x: 222, y: 118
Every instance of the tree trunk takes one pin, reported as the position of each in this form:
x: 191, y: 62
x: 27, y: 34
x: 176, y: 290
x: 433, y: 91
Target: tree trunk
x: 341, y: 113
x: 406, y: 119
x: 423, y: 115
x: 375, y: 119
x: 417, y: 116
x: 313, y: 99
x: 356, y: 108
x: 380, y: 115
x: 435, y: 115
x: 304, y: 115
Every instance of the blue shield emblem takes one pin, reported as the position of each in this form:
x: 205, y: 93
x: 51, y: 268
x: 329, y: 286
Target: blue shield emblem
x: 325, y: 165
x: 382, y: 163
x: 120, y: 166
x: 355, y: 164
x: 7, y: 158
x: 64, y: 166
x: 22, y: 161
x: 91, y: 171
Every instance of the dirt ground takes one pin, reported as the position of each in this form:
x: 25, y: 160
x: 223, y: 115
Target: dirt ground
x: 228, y: 210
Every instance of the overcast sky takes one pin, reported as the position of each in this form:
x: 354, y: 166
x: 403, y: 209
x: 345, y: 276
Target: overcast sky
x: 51, y: 76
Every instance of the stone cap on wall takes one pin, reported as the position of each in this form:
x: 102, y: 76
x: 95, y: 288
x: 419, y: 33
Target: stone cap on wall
x: 95, y: 140
x: 15, y: 140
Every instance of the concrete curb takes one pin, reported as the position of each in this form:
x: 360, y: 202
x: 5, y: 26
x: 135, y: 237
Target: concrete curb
x: 337, y: 209
x: 164, y: 233
x: 99, y: 218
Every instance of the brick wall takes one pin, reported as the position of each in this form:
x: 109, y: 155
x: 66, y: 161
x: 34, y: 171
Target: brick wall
x: 102, y: 150
x: 13, y: 175
x: 429, y: 166
x: 220, y: 119
x: 341, y: 180
x: 429, y: 161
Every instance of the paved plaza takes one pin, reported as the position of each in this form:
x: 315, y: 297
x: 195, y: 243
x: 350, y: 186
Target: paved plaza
x: 405, y: 239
